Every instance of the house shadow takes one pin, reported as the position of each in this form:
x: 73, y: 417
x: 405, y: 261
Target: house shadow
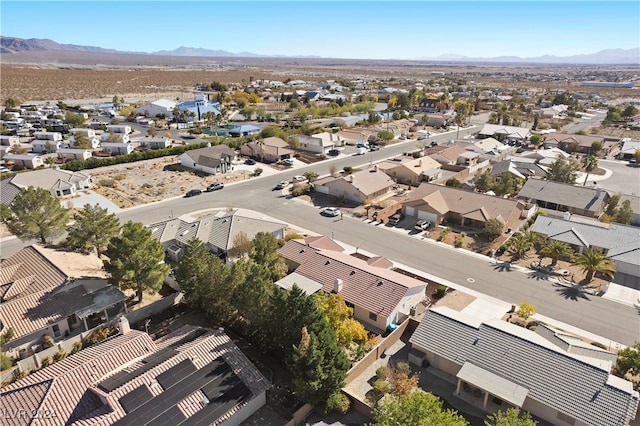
x: 575, y: 292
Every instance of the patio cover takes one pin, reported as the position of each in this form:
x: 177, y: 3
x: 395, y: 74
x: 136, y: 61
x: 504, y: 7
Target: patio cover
x: 494, y: 384
x: 308, y: 285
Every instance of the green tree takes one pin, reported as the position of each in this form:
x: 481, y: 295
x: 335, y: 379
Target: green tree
x: 520, y: 244
x: 628, y: 364
x: 595, y: 148
x: 136, y: 260
x: 483, y: 181
x: 629, y: 111
x: 636, y: 155
x: 36, y: 214
x: 10, y: 104
x: 536, y: 140
x: 593, y: 261
x: 625, y: 213
x: 73, y: 119
x: 253, y: 293
x: 194, y: 272
x: 556, y: 249
x: 453, y: 183
x: 311, y: 176
x: 416, y: 409
x: 81, y: 141
x: 7, y: 335
x: 264, y: 251
x: 510, y: 417
x: 93, y: 229
x: 5, y: 213
x: 18, y: 149
x: 525, y: 310
x: 589, y: 163
x: 508, y: 185
x: 5, y: 362
x: 494, y: 227
x: 385, y: 135
x: 563, y: 170
x: 612, y: 205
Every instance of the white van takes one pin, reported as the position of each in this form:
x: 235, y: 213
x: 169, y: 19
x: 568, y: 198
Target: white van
x: 361, y: 151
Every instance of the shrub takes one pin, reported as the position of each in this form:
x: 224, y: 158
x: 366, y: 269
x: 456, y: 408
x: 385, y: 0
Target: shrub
x: 293, y: 236
x: 299, y: 190
x: 258, y: 171
x: 46, y: 362
x: 532, y: 325
x: 5, y: 362
x: 99, y: 335
x: 77, y: 347
x: 110, y: 183
x: 338, y: 402
x: 442, y: 290
x: 120, y: 176
x: 460, y: 239
x: 348, y: 169
x: 381, y: 387
x: 47, y: 341
x: 381, y: 373
x: 59, y: 356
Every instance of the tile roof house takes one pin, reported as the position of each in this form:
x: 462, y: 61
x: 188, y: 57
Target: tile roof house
x: 217, y: 230
x: 59, y: 183
x: 545, y: 157
x: 444, y: 154
x: 508, y: 363
x: 407, y: 169
x: 49, y: 291
x: 360, y: 186
x: 212, y: 160
x: 190, y: 376
x: 563, y: 197
x: 270, y: 149
x: 321, y: 143
x: 438, y: 204
x: 505, y: 134
x: 522, y: 168
x: 379, y: 296
x: 570, y: 142
x: 629, y: 147
x: 620, y: 243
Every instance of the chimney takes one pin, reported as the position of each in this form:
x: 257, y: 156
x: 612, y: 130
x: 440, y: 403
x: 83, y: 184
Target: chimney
x: 337, y: 285
x: 123, y: 325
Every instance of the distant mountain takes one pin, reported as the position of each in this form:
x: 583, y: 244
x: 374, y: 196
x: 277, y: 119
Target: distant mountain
x: 607, y: 56
x: 14, y: 44
x: 196, y: 51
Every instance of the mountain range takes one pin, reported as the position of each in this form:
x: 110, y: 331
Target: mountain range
x: 10, y: 45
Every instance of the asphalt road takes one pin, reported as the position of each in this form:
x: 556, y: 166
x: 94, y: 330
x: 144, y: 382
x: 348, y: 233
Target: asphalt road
x: 614, y: 321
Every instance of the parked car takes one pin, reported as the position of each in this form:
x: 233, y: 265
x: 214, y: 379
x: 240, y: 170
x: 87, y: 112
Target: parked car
x: 3, y: 169
x: 362, y: 145
x: 331, y: 211
x: 282, y: 184
x: 288, y: 161
x: 215, y: 186
x: 374, y: 148
x: 250, y: 161
x: 422, y: 225
x: 395, y: 219
x: 361, y: 151
x: 193, y: 193
x: 333, y: 152
x: 299, y: 179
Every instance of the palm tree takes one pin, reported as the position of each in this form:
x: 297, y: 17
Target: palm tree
x: 593, y: 261
x: 590, y: 163
x: 556, y: 249
x: 50, y: 161
x: 520, y: 244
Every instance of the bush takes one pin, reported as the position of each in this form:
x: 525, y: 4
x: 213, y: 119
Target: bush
x: 381, y: 373
x: 460, y: 240
x: 77, y: 347
x: 299, y: 190
x: 348, y: 169
x: 5, y: 362
x: 381, y: 387
x: 110, y: 183
x: 532, y: 325
x: 59, y: 356
x: 293, y: 236
x: 47, y: 341
x: 99, y: 335
x: 403, y: 367
x: 258, y: 171
x: 442, y: 290
x: 46, y: 362
x: 338, y: 402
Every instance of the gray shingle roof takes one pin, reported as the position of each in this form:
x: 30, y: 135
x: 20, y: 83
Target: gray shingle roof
x: 8, y: 191
x: 586, y: 392
x: 621, y: 242
x: 564, y: 194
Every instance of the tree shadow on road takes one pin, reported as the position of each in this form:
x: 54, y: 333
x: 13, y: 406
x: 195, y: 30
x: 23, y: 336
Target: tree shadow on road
x: 503, y: 267
x: 538, y: 276
x: 572, y: 293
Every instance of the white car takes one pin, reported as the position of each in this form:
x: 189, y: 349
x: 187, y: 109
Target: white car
x: 299, y: 179
x: 288, y: 161
x: 331, y: 211
x: 282, y: 184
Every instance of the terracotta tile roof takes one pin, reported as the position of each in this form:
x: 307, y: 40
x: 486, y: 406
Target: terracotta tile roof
x: 32, y: 265
x: 323, y: 242
x: 374, y: 288
x: 70, y: 388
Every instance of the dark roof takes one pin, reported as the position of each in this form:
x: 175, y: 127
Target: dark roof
x: 586, y: 392
x: 578, y: 197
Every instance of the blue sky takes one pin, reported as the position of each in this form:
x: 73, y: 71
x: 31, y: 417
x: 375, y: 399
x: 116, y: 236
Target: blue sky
x: 358, y: 29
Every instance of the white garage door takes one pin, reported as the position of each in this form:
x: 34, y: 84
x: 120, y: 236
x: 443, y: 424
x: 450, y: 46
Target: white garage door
x: 410, y: 211
x: 431, y: 217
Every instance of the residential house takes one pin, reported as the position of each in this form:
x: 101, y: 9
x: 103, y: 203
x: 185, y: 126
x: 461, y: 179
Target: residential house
x: 90, y: 134
x: 117, y: 148
x: 545, y: 157
x: 23, y: 161
x: 66, y: 154
x: 438, y: 120
x: 212, y: 160
x: 8, y: 140
x: 192, y: 375
x: 510, y: 135
x: 43, y: 146
x: 521, y: 168
x: 620, y: 243
x: 155, y: 143
x: 124, y: 129
x: 489, y: 149
x: 321, y: 143
x: 48, y: 136
x: 54, y: 292
x: 360, y: 187
x: 60, y: 183
x: 162, y: 107
x: 219, y: 231
x: 446, y: 154
x: 270, y: 150
x: 114, y: 137
x: 244, y: 130
x: 357, y: 135
x: 550, y: 195
x: 432, y: 104
x: 628, y: 149
x: 405, y: 169
x: 196, y: 110
x: 508, y: 365
x: 442, y: 204
x: 572, y: 143
x: 379, y: 296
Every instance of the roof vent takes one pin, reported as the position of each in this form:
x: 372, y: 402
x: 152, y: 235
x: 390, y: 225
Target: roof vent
x: 337, y: 285
x: 352, y: 273
x: 326, y: 263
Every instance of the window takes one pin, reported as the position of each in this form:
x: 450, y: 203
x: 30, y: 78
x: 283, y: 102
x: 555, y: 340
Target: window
x: 373, y: 317
x: 56, y: 330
